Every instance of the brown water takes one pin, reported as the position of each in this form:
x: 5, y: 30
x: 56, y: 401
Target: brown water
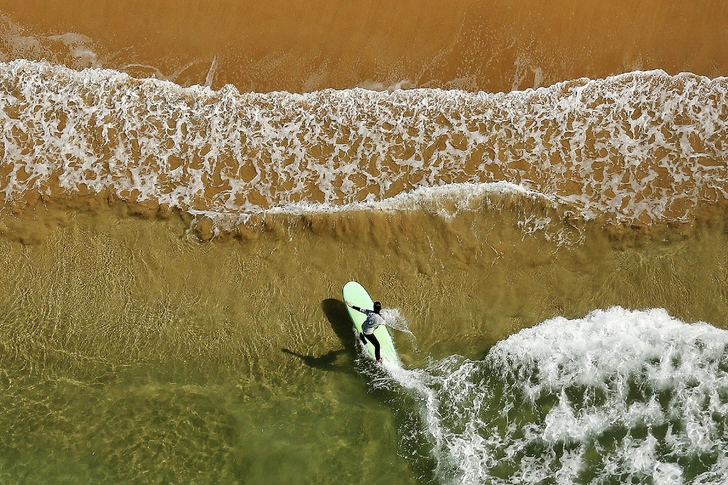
x: 173, y: 256
x: 306, y: 46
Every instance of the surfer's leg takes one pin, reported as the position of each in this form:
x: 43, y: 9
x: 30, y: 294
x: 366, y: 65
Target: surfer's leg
x: 362, y: 338
x: 375, y: 343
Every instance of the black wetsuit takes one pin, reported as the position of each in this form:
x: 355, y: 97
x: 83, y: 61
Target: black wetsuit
x: 377, y: 348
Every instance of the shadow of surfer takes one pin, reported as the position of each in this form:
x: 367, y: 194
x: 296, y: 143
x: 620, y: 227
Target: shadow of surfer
x: 338, y: 317
x: 324, y: 362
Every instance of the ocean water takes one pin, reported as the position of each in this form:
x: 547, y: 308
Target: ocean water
x: 537, y: 194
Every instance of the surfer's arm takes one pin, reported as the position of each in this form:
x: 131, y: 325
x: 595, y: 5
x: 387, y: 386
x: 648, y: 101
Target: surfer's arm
x: 348, y: 303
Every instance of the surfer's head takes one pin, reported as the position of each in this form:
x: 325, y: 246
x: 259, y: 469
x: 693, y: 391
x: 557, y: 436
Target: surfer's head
x: 377, y: 307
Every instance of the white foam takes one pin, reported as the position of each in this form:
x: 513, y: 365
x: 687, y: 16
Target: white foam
x: 447, y: 200
x: 639, y: 146
x: 618, y: 396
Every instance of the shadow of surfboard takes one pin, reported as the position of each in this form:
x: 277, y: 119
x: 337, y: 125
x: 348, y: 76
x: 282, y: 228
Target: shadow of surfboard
x: 340, y: 321
x: 338, y: 317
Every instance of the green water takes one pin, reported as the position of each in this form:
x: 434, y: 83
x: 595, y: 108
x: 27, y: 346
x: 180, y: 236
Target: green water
x: 156, y: 423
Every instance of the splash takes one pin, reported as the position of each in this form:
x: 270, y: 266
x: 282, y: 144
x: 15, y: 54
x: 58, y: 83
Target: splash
x: 394, y: 319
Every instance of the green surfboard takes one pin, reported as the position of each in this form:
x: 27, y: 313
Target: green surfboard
x: 358, y: 296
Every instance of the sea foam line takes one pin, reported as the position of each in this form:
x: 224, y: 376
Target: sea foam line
x: 636, y: 147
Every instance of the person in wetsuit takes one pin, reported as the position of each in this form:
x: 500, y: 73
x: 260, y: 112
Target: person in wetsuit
x: 373, y: 321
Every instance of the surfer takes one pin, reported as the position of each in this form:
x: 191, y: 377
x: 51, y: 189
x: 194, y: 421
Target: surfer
x: 373, y: 321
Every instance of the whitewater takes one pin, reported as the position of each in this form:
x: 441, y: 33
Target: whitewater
x: 637, y: 148
x: 618, y: 396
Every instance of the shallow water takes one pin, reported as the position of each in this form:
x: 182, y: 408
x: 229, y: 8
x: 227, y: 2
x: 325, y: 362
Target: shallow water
x: 133, y: 352
x: 177, y: 223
